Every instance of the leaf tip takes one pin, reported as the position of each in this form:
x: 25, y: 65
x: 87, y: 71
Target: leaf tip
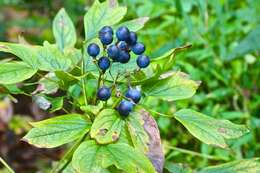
x: 112, y: 3
x: 143, y: 20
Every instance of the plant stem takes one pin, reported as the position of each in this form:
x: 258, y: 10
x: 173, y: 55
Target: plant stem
x: 63, y: 163
x: 155, y: 112
x: 116, y: 102
x: 47, y: 78
x: 98, y: 86
x: 6, y: 165
x: 83, y: 79
x: 193, y: 153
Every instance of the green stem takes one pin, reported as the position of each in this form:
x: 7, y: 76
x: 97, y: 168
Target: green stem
x: 116, y: 102
x: 63, y: 163
x: 155, y: 112
x: 84, y: 79
x: 193, y: 153
x: 6, y: 165
x: 98, y: 86
x: 47, y: 78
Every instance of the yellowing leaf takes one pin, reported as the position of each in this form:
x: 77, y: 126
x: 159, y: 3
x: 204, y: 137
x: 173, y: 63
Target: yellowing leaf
x: 107, y: 127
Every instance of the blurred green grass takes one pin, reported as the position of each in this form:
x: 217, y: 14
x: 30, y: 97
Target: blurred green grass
x: 225, y: 56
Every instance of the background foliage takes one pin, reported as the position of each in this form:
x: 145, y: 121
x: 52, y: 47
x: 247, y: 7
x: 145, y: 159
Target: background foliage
x: 225, y: 57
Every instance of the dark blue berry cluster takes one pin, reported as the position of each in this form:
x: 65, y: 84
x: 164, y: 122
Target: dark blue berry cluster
x: 119, y: 50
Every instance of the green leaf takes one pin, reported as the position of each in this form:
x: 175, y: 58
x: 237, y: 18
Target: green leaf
x: 135, y: 24
x: 171, y: 86
x: 25, y: 52
x: 66, y: 78
x: 90, y: 157
x: 138, y: 135
x: 74, y: 55
x: 64, y: 30
x: 47, y: 57
x: 165, y: 62
x: 102, y: 14
x: 49, y: 84
x: 56, y: 103
x: 14, y: 72
x: 51, y: 59
x: 239, y: 166
x: 125, y: 136
x: 177, y: 168
x: 57, y: 131
x: 209, y: 130
x: 249, y: 44
x: 107, y: 127
x: 69, y: 169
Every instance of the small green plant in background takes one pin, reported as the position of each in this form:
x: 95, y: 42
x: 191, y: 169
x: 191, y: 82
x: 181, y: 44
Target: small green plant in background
x: 105, y: 83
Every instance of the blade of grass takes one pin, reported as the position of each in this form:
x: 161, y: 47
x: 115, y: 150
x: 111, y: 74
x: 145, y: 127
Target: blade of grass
x: 6, y: 165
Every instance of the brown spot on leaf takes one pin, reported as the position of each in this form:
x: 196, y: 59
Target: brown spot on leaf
x: 142, y: 20
x: 222, y: 130
x: 198, y: 82
x: 115, y: 136
x: 3, y: 47
x: 62, y: 22
x: 102, y: 132
x: 112, y: 3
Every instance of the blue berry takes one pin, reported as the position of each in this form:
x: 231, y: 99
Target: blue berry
x: 106, y: 38
x: 105, y: 29
x: 104, y: 63
x: 104, y: 93
x: 113, y: 52
x: 138, y: 48
x: 122, y: 33
x: 122, y: 45
x: 93, y: 49
x: 124, y: 57
x: 125, y: 107
x: 143, y: 61
x: 133, y: 94
x: 132, y: 38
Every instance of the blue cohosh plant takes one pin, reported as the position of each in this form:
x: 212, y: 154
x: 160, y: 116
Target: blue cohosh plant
x: 103, y: 80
